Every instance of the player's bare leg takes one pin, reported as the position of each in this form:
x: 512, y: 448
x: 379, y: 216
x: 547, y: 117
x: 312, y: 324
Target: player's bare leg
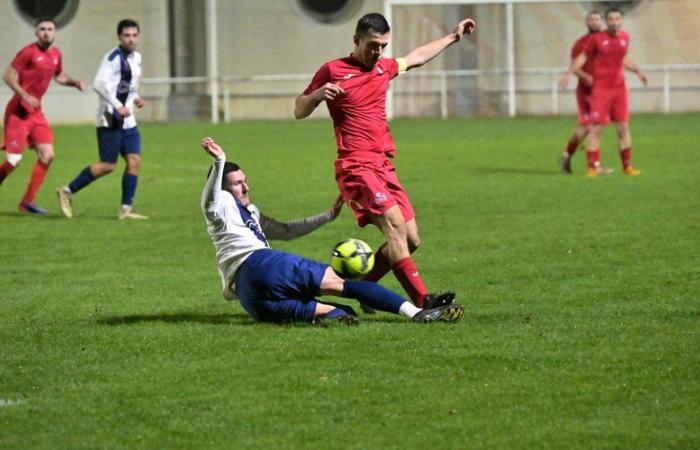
x: 87, y: 176
x: 625, y: 137
x: 45, y: 155
x: 133, y: 165
x: 572, y: 145
x: 595, y: 167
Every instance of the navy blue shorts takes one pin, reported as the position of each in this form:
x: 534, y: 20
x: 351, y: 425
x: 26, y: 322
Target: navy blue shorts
x: 113, y: 142
x: 279, y: 287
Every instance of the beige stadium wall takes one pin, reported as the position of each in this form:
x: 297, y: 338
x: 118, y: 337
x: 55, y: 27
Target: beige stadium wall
x: 83, y: 42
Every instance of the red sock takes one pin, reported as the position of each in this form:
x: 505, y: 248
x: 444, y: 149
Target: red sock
x: 5, y: 169
x: 407, y: 274
x: 593, y: 158
x: 572, y: 146
x: 626, y: 157
x: 36, y: 180
x: 382, y: 265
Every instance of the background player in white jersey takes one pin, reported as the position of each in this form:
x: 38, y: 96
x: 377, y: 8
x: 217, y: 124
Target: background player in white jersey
x: 280, y: 287
x: 116, y: 84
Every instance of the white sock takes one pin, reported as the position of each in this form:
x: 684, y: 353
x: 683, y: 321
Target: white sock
x: 409, y: 310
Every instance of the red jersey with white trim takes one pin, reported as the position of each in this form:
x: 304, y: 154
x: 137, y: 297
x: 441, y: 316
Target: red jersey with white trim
x: 359, y: 115
x: 578, y: 48
x: 36, y: 68
x: 608, y: 52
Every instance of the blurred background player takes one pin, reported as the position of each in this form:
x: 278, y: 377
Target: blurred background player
x: 609, y: 98
x: 116, y: 84
x: 29, y: 76
x: 594, y: 23
x: 354, y: 89
x: 280, y: 287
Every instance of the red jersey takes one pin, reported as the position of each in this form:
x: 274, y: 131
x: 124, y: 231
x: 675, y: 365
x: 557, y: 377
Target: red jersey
x: 359, y: 115
x: 578, y: 48
x: 36, y: 68
x: 608, y: 52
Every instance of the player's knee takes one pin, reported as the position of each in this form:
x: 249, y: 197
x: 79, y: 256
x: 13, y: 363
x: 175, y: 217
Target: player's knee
x: 14, y: 158
x: 105, y: 168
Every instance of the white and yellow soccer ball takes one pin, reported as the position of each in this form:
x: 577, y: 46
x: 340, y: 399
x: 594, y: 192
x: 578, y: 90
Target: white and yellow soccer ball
x: 352, y: 259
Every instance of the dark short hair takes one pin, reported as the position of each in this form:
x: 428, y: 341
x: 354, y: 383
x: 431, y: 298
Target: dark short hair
x: 45, y: 19
x: 593, y: 11
x: 612, y: 10
x: 228, y: 168
x: 372, y: 21
x: 127, y: 23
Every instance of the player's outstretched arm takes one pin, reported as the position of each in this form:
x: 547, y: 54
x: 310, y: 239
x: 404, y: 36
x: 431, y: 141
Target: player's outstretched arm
x: 64, y: 80
x: 285, y: 231
x: 632, y: 67
x: 212, y: 189
x: 426, y: 52
x: 576, y: 64
x: 11, y: 78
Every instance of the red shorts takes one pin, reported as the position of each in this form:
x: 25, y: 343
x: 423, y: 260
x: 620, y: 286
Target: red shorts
x: 25, y: 130
x: 368, y: 183
x: 583, y: 100
x: 609, y: 103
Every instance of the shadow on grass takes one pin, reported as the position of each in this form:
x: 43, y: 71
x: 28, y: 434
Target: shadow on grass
x: 216, y: 319
x: 513, y: 171
x: 25, y: 216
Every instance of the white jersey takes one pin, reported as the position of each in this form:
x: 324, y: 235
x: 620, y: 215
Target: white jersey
x: 237, y: 231
x: 116, y: 84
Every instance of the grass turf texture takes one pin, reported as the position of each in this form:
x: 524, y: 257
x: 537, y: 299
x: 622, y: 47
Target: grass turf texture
x: 581, y: 294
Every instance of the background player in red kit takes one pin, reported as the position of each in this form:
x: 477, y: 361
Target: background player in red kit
x: 609, y: 99
x: 29, y: 76
x: 594, y: 23
x: 354, y: 89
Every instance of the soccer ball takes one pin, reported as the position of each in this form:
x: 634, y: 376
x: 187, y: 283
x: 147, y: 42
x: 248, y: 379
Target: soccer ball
x: 352, y: 258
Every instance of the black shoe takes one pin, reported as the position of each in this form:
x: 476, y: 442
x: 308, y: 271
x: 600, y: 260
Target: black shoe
x: 432, y: 301
x: 367, y: 309
x: 445, y: 313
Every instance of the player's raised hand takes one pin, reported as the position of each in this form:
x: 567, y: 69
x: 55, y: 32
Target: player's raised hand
x: 328, y: 92
x: 212, y: 147
x: 465, y: 27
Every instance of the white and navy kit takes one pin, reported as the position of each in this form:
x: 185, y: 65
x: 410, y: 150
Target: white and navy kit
x: 271, y: 285
x: 116, y: 84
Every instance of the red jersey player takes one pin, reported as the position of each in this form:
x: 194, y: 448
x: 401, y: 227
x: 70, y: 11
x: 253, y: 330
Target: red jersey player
x: 354, y: 89
x: 594, y: 23
x: 29, y: 76
x: 609, y: 98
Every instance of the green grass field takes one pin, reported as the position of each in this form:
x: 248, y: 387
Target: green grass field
x: 582, y: 324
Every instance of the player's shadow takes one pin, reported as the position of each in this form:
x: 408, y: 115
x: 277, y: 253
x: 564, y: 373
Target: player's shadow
x: 210, y: 319
x: 25, y: 216
x: 513, y: 171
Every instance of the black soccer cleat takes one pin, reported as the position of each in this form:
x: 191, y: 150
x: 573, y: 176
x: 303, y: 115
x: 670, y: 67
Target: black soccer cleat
x: 432, y: 301
x: 445, y: 313
x: 342, y: 314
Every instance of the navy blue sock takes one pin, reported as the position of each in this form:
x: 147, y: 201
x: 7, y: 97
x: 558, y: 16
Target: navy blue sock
x: 83, y: 179
x: 340, y: 310
x: 373, y: 295
x: 129, y: 182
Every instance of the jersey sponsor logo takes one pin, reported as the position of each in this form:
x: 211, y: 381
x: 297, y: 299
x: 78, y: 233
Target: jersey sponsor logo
x: 39, y: 58
x: 379, y: 198
x: 123, y: 87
